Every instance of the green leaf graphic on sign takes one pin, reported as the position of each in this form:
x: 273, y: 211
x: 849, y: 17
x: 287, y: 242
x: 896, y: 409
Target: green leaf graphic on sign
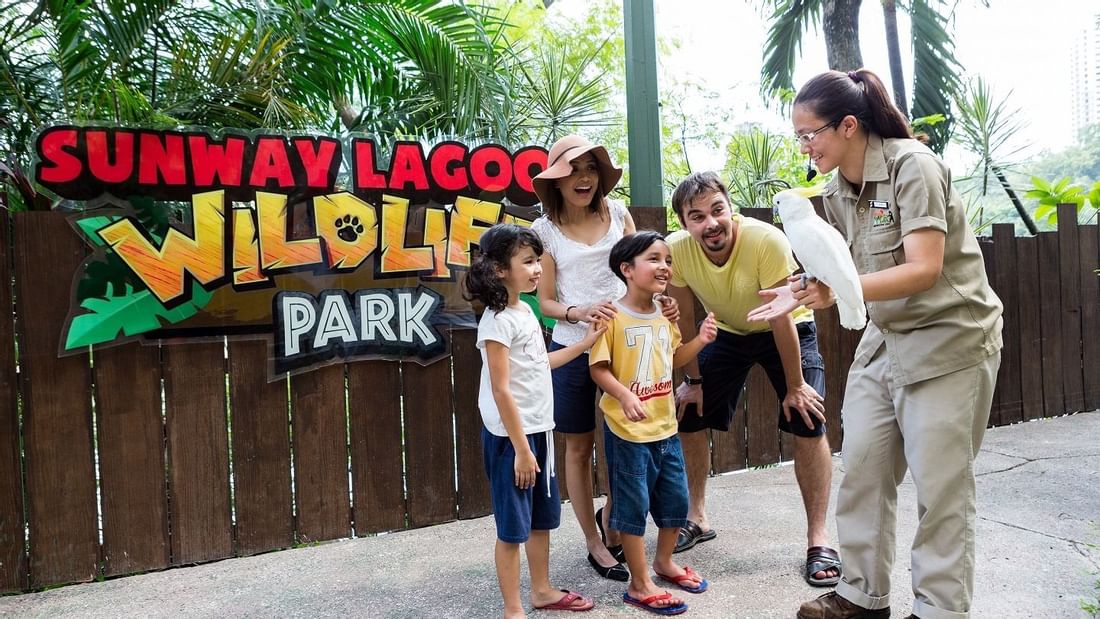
x: 132, y: 312
x: 129, y: 314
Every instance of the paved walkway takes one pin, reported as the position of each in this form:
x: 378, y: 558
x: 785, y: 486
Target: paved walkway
x: 1039, y: 510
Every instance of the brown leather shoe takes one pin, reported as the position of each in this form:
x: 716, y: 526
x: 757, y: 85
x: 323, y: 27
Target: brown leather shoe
x: 832, y: 606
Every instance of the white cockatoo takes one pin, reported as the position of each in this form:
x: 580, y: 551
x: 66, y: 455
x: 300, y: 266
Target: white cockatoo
x: 823, y: 252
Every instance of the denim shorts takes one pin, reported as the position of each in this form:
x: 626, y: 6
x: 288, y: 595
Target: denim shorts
x: 517, y: 511
x: 574, y: 395
x: 646, y: 478
x: 725, y: 363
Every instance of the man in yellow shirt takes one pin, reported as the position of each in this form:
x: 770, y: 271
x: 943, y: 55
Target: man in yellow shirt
x: 725, y: 260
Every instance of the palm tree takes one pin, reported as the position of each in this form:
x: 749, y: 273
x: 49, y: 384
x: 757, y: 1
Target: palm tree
x: 936, y: 71
x: 394, y: 66
x: 985, y: 127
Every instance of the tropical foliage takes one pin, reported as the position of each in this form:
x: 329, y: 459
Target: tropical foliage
x: 987, y: 127
x: 936, y: 72
x: 759, y: 164
x: 1050, y: 194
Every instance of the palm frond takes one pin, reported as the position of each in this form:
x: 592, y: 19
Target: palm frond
x: 936, y: 72
x: 562, y: 98
x: 789, y: 20
x: 984, y: 126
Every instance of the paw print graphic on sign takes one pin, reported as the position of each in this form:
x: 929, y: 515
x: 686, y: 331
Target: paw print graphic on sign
x: 348, y: 228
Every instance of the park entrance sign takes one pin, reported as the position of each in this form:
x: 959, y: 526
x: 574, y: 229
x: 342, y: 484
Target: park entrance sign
x: 333, y: 249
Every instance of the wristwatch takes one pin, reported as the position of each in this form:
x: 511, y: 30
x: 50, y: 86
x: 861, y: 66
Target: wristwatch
x: 692, y: 381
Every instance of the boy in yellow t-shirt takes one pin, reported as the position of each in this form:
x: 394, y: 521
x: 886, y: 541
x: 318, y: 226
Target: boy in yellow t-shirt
x: 632, y: 362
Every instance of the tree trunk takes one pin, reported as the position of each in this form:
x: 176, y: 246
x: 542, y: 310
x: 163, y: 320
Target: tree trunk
x: 347, y: 114
x: 840, y: 21
x: 1028, y: 221
x: 893, y: 46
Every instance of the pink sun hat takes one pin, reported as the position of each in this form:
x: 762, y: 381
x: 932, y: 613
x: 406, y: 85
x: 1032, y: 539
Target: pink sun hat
x: 561, y: 154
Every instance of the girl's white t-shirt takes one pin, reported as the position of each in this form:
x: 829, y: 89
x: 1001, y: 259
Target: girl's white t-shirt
x: 583, y: 276
x: 529, y: 369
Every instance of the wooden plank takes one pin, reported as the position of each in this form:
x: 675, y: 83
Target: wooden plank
x: 57, y: 418
x: 849, y: 341
x: 318, y: 416
x: 988, y: 257
x: 829, y: 333
x: 1054, y: 402
x: 1089, y: 261
x: 378, y: 481
x: 1006, y: 284
x: 473, y: 486
x: 559, y: 455
x: 1031, y: 349
x: 650, y: 218
x: 763, y: 434
x: 763, y: 214
x: 131, y: 459
x: 428, y: 432
x: 198, y: 452
x: 601, y: 479
x: 261, y: 451
x: 1070, y: 320
x: 729, y: 450
x: 13, y: 560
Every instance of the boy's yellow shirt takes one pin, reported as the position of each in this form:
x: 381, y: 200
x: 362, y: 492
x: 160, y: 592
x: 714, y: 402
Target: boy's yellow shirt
x: 639, y: 348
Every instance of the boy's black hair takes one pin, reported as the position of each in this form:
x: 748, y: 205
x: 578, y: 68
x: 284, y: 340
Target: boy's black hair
x: 629, y: 247
x: 496, y: 248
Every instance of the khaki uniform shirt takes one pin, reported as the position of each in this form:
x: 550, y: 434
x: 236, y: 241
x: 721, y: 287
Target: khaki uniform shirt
x: 957, y: 322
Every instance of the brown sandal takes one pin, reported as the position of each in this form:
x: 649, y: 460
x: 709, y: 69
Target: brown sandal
x: 820, y: 559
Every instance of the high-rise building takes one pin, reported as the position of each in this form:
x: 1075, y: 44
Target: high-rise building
x: 1085, y: 76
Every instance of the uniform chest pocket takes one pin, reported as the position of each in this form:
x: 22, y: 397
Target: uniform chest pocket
x: 885, y: 249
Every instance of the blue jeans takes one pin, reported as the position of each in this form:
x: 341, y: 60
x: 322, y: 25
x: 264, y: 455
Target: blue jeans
x: 646, y: 478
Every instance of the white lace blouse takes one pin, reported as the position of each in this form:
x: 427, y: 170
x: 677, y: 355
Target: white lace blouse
x: 583, y: 276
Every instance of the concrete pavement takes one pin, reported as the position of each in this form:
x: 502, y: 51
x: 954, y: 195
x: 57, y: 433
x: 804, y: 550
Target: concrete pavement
x: 1038, y: 531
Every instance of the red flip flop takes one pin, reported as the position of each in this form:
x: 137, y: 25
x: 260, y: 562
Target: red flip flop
x: 688, y: 575
x: 647, y: 603
x: 567, y: 602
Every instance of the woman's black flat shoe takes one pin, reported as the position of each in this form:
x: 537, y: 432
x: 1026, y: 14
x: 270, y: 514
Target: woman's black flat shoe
x: 618, y: 553
x: 599, y: 525
x: 615, y: 572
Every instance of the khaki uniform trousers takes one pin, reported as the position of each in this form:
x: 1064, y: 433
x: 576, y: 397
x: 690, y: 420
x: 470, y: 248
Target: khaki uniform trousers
x: 935, y: 428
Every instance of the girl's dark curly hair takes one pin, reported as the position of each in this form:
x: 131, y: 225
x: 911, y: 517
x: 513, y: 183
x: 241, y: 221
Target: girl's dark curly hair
x: 497, y: 246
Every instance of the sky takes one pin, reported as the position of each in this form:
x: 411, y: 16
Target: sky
x: 1022, y: 46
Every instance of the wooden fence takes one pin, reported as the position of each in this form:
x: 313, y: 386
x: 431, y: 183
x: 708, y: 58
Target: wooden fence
x: 143, y: 457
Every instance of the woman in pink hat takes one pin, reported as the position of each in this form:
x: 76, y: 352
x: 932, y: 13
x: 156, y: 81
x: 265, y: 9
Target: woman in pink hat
x: 578, y: 228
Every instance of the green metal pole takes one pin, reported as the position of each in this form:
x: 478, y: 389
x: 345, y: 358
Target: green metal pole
x: 643, y: 119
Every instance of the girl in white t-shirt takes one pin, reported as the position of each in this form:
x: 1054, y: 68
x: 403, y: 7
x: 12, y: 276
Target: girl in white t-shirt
x: 517, y: 409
